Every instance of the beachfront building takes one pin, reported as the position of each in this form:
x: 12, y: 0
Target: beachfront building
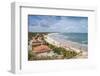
x: 38, y: 44
x: 41, y: 49
x: 35, y: 41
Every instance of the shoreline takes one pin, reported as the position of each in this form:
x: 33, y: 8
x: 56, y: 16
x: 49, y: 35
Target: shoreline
x: 68, y: 45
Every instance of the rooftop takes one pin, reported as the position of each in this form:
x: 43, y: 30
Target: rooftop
x: 41, y: 49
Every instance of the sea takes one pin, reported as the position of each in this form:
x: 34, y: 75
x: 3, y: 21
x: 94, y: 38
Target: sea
x: 77, y: 39
x: 81, y: 38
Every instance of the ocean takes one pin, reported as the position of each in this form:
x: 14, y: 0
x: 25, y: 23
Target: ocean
x: 76, y: 40
x: 81, y: 38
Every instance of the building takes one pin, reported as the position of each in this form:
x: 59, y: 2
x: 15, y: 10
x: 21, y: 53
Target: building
x: 41, y: 49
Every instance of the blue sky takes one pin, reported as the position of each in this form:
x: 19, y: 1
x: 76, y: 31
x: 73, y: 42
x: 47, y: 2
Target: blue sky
x: 42, y: 23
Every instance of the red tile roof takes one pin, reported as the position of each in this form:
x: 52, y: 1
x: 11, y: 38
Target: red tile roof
x: 41, y: 49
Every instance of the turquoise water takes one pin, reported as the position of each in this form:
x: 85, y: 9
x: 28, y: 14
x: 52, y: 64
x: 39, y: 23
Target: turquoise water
x: 81, y: 38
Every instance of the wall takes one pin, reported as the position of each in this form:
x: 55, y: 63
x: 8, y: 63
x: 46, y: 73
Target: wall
x: 5, y: 33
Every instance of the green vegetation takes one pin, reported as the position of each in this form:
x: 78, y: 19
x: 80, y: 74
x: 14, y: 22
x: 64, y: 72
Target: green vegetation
x: 69, y: 54
x: 57, y: 50
x: 62, y: 51
x: 66, y: 53
x: 31, y: 55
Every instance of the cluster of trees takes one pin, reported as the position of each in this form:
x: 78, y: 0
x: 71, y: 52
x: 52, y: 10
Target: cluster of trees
x: 62, y: 51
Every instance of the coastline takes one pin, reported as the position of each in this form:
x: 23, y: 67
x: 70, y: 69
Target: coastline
x: 79, y: 48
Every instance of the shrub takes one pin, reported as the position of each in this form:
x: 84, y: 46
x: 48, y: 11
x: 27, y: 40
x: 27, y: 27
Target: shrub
x: 66, y: 53
x: 31, y: 55
x: 69, y: 54
x: 57, y: 50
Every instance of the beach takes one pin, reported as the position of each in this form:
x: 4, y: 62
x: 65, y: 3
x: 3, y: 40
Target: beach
x: 53, y: 37
x: 67, y: 44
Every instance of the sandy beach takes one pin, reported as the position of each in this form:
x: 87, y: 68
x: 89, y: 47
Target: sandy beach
x: 79, y: 48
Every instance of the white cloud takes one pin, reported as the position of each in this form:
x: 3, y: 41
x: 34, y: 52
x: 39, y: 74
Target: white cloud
x: 65, y: 24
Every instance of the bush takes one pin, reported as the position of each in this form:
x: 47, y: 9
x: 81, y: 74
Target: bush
x: 57, y: 50
x: 31, y: 55
x: 66, y: 53
x: 69, y: 54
